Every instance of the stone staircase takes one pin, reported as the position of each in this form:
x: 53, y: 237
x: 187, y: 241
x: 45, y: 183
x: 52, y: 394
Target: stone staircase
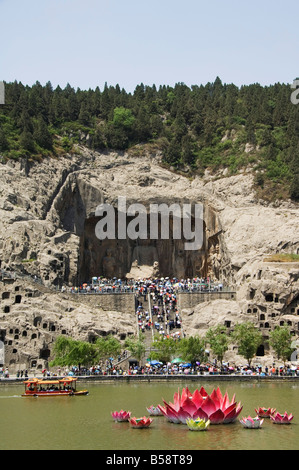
x: 144, y: 302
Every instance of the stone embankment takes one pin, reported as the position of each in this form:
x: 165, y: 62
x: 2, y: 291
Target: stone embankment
x: 196, y: 379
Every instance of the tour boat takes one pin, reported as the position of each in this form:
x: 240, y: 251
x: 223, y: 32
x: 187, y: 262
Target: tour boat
x: 52, y: 388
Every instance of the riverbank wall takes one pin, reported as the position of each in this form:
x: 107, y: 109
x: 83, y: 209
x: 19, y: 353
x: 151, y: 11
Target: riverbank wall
x: 199, y: 379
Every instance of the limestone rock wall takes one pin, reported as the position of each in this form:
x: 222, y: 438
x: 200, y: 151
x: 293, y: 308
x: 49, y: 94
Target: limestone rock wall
x: 32, y: 316
x: 47, y: 222
x: 47, y: 218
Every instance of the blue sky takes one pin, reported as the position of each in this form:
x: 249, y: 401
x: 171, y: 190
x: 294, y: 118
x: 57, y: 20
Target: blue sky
x: 87, y: 43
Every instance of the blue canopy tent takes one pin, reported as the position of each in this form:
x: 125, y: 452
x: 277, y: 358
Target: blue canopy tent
x: 156, y: 363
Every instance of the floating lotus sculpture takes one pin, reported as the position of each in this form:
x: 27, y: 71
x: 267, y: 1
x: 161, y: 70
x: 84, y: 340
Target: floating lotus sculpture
x: 140, y: 423
x: 121, y: 416
x: 265, y: 412
x: 216, y: 408
x: 277, y: 418
x: 252, y: 423
x: 197, y: 424
x: 154, y: 411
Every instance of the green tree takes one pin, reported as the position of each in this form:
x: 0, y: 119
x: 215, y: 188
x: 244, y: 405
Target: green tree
x: 27, y: 141
x: 106, y: 347
x: 4, y: 145
x: 294, y: 190
x: 187, y: 150
x: 70, y: 352
x: 179, y: 127
x: 218, y: 340
x: 123, y: 118
x: 172, y: 154
x: 99, y: 139
x: 136, y: 346
x: 117, y: 137
x: 248, y: 338
x: 281, y: 341
x: 163, y: 349
x: 142, y: 131
x: 84, y: 115
x: 41, y: 134
x: 192, y: 349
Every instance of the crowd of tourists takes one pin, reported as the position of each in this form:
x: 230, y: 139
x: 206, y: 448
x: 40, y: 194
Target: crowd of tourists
x: 100, y: 285
x: 162, y: 315
x: 156, y: 368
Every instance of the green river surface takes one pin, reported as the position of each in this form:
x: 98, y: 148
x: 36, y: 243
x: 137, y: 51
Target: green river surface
x: 85, y: 422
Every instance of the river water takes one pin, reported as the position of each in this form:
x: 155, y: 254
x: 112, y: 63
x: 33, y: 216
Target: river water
x: 85, y: 422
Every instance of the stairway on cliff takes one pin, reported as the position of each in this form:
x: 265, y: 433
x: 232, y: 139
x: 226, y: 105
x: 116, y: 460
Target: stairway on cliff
x: 143, y: 311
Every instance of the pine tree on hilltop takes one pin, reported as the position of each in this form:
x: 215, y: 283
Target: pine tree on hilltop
x: 42, y: 135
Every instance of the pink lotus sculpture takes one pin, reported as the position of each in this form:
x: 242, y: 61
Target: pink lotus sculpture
x: 252, y: 423
x: 140, y: 423
x: 154, y: 411
x: 121, y: 416
x: 215, y: 407
x: 282, y: 419
x: 265, y: 412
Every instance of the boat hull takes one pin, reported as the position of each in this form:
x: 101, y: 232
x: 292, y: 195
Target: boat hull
x: 55, y: 394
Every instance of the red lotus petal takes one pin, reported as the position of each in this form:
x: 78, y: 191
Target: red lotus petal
x: 203, y: 392
x: 170, y: 406
x: 183, y: 415
x: 225, y: 401
x: 287, y: 418
x: 170, y: 413
x: 219, y: 394
x: 233, y: 399
x: 208, y: 406
x: 177, y: 399
x: 162, y: 409
x: 189, y: 406
x: 231, y: 408
x: 232, y: 416
x: 217, y: 417
x: 146, y: 421
x: 185, y: 394
x: 216, y: 398
x: 175, y: 406
x: 197, y: 399
x: 200, y: 414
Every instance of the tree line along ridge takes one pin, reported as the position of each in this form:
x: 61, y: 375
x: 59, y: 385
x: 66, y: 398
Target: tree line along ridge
x: 213, y: 126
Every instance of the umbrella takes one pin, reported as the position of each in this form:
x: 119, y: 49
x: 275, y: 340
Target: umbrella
x: 177, y: 360
x: 155, y: 363
x: 187, y: 365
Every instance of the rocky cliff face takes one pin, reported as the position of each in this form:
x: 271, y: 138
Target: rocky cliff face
x: 48, y: 219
